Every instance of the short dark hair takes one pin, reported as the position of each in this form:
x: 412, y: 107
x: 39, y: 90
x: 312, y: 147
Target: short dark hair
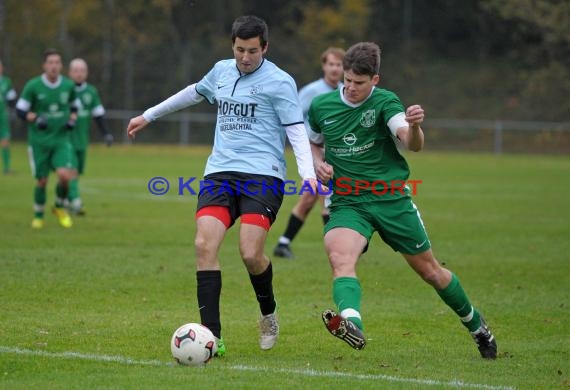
x: 249, y: 26
x: 334, y: 51
x: 51, y: 52
x: 363, y: 58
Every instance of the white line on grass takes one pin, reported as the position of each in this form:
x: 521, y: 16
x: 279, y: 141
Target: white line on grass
x: 374, y: 377
x: 83, y: 356
x: 313, y: 373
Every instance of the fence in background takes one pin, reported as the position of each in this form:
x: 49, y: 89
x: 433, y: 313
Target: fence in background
x: 494, y: 136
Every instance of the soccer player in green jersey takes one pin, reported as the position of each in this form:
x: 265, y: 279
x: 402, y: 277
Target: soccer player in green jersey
x: 48, y: 104
x: 360, y: 127
x: 91, y: 107
x: 7, y: 96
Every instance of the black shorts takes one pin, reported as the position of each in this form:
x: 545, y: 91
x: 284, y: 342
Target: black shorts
x: 242, y: 193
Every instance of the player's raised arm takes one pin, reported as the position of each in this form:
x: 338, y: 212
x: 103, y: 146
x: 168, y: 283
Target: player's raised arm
x: 185, y: 98
x: 409, y: 132
x: 300, y: 142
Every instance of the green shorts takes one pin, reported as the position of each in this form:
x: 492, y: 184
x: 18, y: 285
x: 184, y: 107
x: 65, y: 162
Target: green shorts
x: 44, y: 159
x: 80, y: 157
x: 398, y: 222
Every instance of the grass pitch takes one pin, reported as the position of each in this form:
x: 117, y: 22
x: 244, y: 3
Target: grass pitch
x: 95, y: 306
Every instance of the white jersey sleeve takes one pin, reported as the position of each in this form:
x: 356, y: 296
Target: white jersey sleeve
x: 297, y: 135
x: 186, y: 97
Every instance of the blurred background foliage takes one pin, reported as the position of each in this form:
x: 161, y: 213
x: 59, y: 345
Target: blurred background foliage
x: 486, y: 59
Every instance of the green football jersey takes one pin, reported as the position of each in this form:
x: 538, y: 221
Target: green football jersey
x: 360, y: 147
x: 90, y: 107
x: 5, y: 92
x: 52, y: 101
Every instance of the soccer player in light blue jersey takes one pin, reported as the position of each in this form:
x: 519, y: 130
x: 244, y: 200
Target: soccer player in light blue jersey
x: 258, y: 106
x: 331, y: 64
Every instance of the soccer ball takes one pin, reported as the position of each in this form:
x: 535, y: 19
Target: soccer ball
x: 193, y: 345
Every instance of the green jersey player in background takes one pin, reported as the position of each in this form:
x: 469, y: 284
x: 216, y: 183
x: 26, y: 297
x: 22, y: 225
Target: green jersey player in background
x: 360, y: 126
x: 7, y: 96
x: 331, y: 64
x: 91, y: 107
x: 48, y: 104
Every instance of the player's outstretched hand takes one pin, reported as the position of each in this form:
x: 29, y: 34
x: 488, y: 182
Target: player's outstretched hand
x: 136, y: 124
x: 415, y: 115
x: 109, y: 139
x: 318, y: 188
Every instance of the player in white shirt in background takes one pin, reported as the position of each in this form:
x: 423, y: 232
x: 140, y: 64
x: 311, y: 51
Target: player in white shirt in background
x: 331, y: 63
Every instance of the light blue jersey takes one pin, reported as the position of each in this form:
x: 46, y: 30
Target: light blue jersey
x: 253, y: 110
x: 308, y: 92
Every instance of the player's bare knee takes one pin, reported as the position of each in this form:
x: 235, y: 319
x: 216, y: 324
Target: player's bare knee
x: 308, y: 200
x: 430, y: 276
x: 254, y: 262
x: 250, y: 254
x: 65, y: 175
x: 204, y: 247
x: 341, y: 263
x: 435, y: 275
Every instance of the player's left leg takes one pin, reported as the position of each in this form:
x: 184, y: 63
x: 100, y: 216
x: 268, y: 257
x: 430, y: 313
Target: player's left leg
x: 75, y: 203
x: 64, y: 176
x: 451, y: 291
x: 39, y: 202
x: 403, y: 229
x: 5, y: 144
x: 258, y: 210
x: 63, y: 162
x: 253, y: 233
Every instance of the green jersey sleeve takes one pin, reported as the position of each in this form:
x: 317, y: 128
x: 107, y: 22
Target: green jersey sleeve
x: 392, y: 106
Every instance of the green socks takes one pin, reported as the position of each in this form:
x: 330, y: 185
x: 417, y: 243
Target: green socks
x: 454, y: 296
x: 39, y: 201
x: 73, y: 189
x: 347, y: 295
x: 61, y: 192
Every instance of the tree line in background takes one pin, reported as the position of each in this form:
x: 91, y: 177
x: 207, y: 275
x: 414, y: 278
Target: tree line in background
x: 485, y: 59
